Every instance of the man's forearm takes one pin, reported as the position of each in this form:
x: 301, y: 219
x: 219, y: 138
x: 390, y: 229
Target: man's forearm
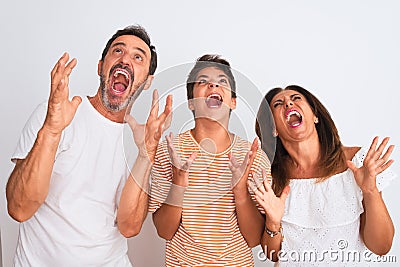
x: 29, y: 182
x: 132, y: 208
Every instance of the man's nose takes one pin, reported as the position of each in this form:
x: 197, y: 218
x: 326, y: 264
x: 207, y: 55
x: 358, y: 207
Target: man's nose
x: 125, y: 59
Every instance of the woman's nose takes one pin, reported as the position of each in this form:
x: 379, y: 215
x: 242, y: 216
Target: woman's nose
x: 289, y: 103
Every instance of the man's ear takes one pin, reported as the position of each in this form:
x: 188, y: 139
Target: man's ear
x: 99, y: 65
x: 233, y: 103
x: 148, y: 82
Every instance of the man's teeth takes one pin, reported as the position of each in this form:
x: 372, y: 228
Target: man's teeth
x: 118, y: 72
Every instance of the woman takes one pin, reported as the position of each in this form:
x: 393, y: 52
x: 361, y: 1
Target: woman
x: 335, y: 210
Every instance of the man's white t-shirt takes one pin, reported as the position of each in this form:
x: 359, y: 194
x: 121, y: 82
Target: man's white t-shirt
x: 75, y: 226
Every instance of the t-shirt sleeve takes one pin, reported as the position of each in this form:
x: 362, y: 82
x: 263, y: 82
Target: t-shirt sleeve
x: 29, y: 133
x: 161, y: 177
x: 383, y: 179
x: 260, y: 163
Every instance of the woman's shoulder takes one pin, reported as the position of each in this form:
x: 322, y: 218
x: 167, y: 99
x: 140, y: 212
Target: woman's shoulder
x: 350, y: 151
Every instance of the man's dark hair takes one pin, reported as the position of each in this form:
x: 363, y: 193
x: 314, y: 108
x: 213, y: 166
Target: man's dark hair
x: 141, y: 33
x: 207, y: 61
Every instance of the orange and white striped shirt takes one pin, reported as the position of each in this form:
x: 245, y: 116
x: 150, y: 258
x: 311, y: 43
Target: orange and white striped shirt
x: 208, y: 234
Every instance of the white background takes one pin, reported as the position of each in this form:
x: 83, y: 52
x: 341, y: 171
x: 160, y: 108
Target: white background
x: 346, y: 52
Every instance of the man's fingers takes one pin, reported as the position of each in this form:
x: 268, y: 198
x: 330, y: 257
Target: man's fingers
x: 76, y: 101
x: 166, y: 117
x: 55, y: 68
x: 56, y: 73
x: 61, y: 72
x: 167, y: 122
x: 70, y: 66
x: 131, y: 121
x: 168, y: 105
x: 154, y: 104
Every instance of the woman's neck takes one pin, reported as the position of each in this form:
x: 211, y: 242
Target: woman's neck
x: 304, y: 158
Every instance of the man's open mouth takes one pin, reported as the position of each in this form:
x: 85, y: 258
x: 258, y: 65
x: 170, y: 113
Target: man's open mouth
x: 120, y: 80
x: 214, y: 100
x: 294, y: 118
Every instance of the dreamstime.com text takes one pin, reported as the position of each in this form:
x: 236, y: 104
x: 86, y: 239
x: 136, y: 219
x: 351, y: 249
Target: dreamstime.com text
x: 342, y: 254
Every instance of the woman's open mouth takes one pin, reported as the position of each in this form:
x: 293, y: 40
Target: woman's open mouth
x: 293, y: 118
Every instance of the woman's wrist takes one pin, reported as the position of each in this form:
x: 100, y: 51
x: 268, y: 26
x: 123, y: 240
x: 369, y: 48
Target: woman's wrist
x: 273, y: 230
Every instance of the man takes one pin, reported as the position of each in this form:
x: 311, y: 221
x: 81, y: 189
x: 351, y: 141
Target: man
x: 201, y: 205
x: 71, y: 188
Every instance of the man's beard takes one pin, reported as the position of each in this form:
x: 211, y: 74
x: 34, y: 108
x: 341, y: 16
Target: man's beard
x: 117, y: 106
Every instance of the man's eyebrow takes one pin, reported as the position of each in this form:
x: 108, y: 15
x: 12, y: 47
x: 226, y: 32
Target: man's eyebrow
x: 119, y: 43
x: 123, y: 44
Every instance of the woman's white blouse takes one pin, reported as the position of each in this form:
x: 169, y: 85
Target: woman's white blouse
x: 322, y: 220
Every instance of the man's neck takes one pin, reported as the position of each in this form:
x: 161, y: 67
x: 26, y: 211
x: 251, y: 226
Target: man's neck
x: 115, y: 116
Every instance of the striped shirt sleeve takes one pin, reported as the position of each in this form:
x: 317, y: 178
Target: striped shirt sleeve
x: 161, y: 177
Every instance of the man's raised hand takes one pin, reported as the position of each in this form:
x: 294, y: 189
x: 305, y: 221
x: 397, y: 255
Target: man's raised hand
x: 61, y: 110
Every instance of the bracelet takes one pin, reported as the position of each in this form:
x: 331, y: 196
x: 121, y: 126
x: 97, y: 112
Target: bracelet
x: 272, y: 233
